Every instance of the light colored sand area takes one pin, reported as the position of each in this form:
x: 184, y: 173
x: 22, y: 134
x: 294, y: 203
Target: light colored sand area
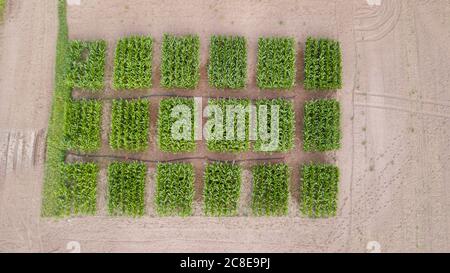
x: 396, y: 108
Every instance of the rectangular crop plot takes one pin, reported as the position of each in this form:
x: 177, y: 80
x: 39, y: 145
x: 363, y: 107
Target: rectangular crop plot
x: 126, y: 188
x: 222, y: 189
x: 76, y: 193
x: 174, y: 189
x: 130, y: 125
x: 86, y: 65
x: 176, y: 123
x: 286, y: 126
x: 322, y: 131
x: 270, y: 189
x: 228, y: 62
x: 133, y: 63
x: 323, y: 65
x: 180, y: 62
x: 82, y: 125
x: 276, y: 63
x: 319, y: 190
x: 228, y: 125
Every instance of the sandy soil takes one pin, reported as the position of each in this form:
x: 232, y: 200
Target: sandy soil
x: 394, y: 160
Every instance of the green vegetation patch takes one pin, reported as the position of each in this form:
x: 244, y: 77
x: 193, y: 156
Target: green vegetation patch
x: 270, y: 189
x: 323, y: 64
x: 286, y: 126
x: 228, y: 62
x: 276, y: 63
x: 82, y: 126
x: 177, y: 114
x: 235, y: 113
x: 130, y: 125
x: 180, y: 62
x: 133, y: 63
x: 319, y: 190
x: 2, y: 8
x: 77, y: 190
x: 322, y: 130
x: 126, y: 188
x: 222, y: 189
x: 174, y: 189
x: 86, y: 64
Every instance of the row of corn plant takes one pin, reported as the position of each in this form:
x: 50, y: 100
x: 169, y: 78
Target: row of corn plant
x: 86, y: 69
x: 133, y: 63
x: 130, y: 125
x: 228, y: 62
x: 82, y: 125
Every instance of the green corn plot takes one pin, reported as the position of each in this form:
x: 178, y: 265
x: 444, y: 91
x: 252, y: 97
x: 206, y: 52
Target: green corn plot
x: 180, y: 63
x: 174, y: 189
x: 319, y: 190
x: 323, y: 64
x: 286, y: 124
x: 130, y: 125
x: 222, y: 189
x: 237, y: 140
x: 228, y: 62
x: 126, y: 188
x: 322, y: 131
x: 133, y: 63
x: 86, y: 65
x: 82, y: 125
x: 276, y: 63
x: 76, y: 192
x: 168, y: 118
x: 270, y: 189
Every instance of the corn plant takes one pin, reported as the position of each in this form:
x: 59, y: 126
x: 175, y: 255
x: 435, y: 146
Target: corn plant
x: 270, y: 189
x: 174, y: 189
x: 180, y: 63
x: 86, y: 65
x: 166, y: 140
x: 319, y: 190
x: 130, y: 125
x: 276, y: 63
x: 126, y: 188
x: 76, y: 192
x: 323, y: 64
x: 133, y: 63
x: 322, y: 130
x: 286, y: 124
x: 82, y: 125
x: 239, y: 138
x: 228, y: 62
x: 222, y: 189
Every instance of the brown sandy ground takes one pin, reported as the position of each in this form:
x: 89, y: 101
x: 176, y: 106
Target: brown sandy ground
x: 394, y: 159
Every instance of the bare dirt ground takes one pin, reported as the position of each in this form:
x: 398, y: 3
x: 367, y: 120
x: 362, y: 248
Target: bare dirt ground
x: 394, y: 159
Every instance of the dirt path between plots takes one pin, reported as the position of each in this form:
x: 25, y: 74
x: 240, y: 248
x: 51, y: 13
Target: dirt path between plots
x: 394, y: 161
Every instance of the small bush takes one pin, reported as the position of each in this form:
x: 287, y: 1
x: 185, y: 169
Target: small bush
x: 276, y: 63
x: 87, y: 65
x: 228, y: 62
x: 222, y: 189
x: 323, y: 64
x: 322, y: 126
x: 130, y: 125
x: 126, y: 188
x: 76, y: 193
x: 240, y: 139
x: 82, y: 125
x: 180, y: 62
x: 133, y: 63
x: 286, y: 124
x: 166, y: 121
x: 174, y: 189
x: 319, y: 190
x: 270, y: 189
